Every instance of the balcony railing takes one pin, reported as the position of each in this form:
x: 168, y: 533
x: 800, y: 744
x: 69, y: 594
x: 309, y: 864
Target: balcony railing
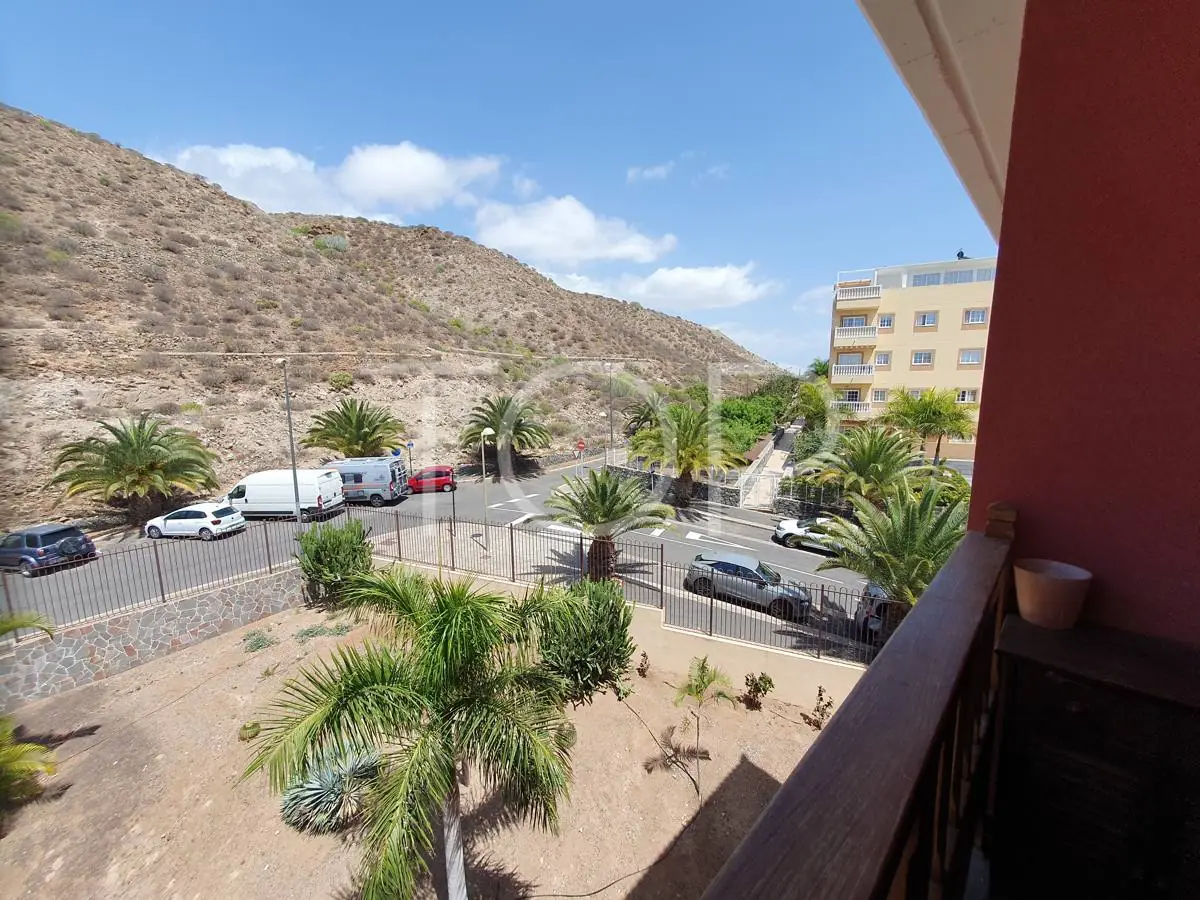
x: 855, y: 407
x: 846, y: 373
x: 859, y: 292
x: 890, y: 799
x: 864, y: 334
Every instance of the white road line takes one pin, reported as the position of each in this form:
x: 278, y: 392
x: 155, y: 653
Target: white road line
x: 512, y: 500
x: 657, y: 532
x: 720, y: 542
x: 524, y: 518
x: 568, y: 529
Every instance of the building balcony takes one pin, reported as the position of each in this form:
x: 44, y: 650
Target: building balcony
x: 857, y: 409
x: 855, y: 336
x: 851, y: 374
x: 857, y: 296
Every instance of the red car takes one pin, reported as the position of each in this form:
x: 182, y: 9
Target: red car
x: 433, y: 478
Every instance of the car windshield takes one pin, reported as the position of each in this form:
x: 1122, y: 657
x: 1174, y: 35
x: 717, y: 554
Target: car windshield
x: 769, y: 574
x: 53, y: 537
x: 225, y: 511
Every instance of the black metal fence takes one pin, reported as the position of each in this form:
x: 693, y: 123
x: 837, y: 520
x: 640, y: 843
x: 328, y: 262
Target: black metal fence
x: 825, y: 620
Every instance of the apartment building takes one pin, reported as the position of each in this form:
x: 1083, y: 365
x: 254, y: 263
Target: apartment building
x: 911, y: 328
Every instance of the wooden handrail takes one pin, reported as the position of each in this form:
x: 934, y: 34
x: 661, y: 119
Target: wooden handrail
x: 875, y: 807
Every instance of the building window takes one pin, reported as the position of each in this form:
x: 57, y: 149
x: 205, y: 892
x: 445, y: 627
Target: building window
x: 925, y: 279
x: 970, y: 357
x: 887, y: 320
x: 988, y: 274
x: 927, y: 320
x: 968, y: 396
x: 850, y: 359
x: 922, y: 358
x: 883, y: 358
x: 915, y: 393
x: 960, y: 276
x: 879, y: 395
x: 974, y: 316
x: 853, y: 321
x: 850, y: 396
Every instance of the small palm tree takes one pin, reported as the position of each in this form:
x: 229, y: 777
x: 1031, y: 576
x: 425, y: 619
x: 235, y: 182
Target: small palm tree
x: 355, y: 428
x: 817, y: 369
x: 901, y: 546
x: 932, y: 415
x: 687, y: 439
x: 644, y: 413
x: 604, y: 507
x: 18, y: 621
x: 513, y: 425
x: 869, y: 461
x: 815, y: 402
x: 21, y: 765
x: 141, y: 462
x: 451, y: 678
x: 705, y: 684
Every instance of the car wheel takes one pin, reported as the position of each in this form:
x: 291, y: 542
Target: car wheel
x: 794, y: 541
x: 703, y: 586
x: 376, y: 501
x: 447, y: 488
x: 154, y: 532
x: 26, y: 569
x: 780, y: 609
x: 206, y: 535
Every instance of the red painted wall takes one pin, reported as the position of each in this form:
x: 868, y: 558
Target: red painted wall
x: 1090, y: 422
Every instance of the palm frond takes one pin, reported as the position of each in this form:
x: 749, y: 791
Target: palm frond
x: 511, y: 420
x: 355, y: 428
x: 20, y: 620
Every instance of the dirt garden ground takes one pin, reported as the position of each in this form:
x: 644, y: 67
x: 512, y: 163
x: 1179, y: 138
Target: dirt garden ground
x: 147, y: 802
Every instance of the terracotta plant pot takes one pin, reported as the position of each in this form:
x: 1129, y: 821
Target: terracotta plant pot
x: 1050, y: 593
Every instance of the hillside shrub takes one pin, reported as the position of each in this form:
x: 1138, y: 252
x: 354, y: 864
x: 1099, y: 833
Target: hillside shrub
x: 329, y: 796
x: 329, y: 555
x: 341, y: 381
x: 593, y: 653
x: 334, y: 242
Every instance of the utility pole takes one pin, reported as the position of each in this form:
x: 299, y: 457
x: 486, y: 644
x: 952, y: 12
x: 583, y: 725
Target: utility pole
x: 287, y: 402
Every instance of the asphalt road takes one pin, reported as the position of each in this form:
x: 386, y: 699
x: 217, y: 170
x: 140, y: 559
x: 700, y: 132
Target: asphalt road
x: 132, y: 570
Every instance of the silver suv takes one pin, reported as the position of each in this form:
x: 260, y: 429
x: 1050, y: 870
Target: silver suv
x: 745, y: 578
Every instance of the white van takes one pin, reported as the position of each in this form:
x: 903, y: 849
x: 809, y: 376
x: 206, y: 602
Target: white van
x: 271, y: 493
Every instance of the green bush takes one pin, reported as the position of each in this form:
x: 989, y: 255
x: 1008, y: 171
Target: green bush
x: 335, y: 242
x: 455, y: 323
x: 253, y: 641
x: 757, y: 687
x: 266, y: 303
x: 419, y: 304
x: 330, y: 795
x: 341, y: 381
x: 329, y: 554
x: 593, y: 653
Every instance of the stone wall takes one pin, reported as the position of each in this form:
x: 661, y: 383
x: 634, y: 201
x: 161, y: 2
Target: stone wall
x: 661, y: 485
x: 78, y: 655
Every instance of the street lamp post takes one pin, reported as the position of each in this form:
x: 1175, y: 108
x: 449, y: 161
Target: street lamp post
x: 287, y: 402
x: 611, y: 448
x: 483, y: 436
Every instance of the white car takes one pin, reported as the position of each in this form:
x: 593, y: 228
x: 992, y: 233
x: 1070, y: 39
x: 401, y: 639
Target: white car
x: 203, y: 520
x: 804, y: 533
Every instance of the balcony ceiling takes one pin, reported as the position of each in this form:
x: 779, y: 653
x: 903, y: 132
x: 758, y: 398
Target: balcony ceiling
x: 959, y: 59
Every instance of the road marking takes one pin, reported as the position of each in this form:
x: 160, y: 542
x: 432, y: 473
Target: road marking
x: 657, y: 531
x: 524, y: 518
x: 512, y: 500
x: 697, y: 536
x: 554, y: 526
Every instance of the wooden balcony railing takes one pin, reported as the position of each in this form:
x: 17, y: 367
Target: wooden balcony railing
x: 889, y: 800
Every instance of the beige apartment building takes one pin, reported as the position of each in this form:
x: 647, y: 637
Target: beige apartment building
x: 911, y: 328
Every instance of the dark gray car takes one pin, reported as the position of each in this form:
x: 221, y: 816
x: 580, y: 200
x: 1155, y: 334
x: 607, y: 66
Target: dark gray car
x: 745, y: 578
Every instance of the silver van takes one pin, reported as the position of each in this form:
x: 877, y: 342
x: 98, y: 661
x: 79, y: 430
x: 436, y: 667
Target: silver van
x: 372, y: 479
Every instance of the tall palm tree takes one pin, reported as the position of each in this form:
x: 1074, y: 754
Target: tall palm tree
x: 604, y: 507
x: 869, y: 461
x: 355, y: 428
x: 141, y: 462
x: 514, y: 426
x: 687, y: 439
x: 18, y: 621
x: 818, y: 368
x: 901, y: 546
x: 934, y: 414
x: 644, y: 413
x: 450, y: 679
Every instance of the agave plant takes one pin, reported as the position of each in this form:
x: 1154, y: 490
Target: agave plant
x: 330, y: 795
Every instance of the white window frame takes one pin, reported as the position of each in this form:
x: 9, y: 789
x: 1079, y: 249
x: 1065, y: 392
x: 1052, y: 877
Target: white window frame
x: 879, y: 395
x: 927, y: 279
x: 970, y: 362
x: 915, y: 393
x: 887, y: 357
x: 986, y: 274
x: 982, y: 320
x: 959, y: 276
x: 967, y: 395
x: 891, y: 320
x: 917, y: 323
x: 922, y: 352
x: 856, y: 322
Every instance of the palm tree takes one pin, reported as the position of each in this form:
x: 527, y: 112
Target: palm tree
x: 141, y: 462
x: 644, y: 413
x: 933, y: 414
x: 21, y: 764
x: 705, y: 684
x: 355, y: 428
x: 687, y: 439
x: 869, y: 461
x: 815, y: 402
x: 450, y: 679
x: 901, y: 546
x: 513, y: 423
x: 18, y: 621
x: 604, y: 507
x: 818, y: 368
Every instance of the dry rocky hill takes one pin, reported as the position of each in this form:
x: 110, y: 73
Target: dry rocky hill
x: 130, y: 285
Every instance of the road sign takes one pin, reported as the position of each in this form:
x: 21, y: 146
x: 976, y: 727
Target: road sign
x: 410, y: 445
x: 580, y: 445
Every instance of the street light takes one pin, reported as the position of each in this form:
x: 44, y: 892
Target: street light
x: 608, y: 368
x: 483, y: 436
x: 287, y: 402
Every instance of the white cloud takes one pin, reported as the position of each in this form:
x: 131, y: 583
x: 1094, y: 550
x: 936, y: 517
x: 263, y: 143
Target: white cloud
x: 790, y: 347
x: 649, y: 173
x: 679, y: 288
x: 720, y: 171
x: 525, y: 188
x: 563, y: 230
x: 370, y: 181
x: 818, y: 297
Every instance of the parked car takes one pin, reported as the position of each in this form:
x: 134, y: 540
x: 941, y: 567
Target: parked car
x: 372, y: 479
x: 433, y: 478
x: 746, y: 578
x: 272, y: 493
x: 203, y: 520
x: 869, y: 615
x: 805, y: 534
x: 44, y: 548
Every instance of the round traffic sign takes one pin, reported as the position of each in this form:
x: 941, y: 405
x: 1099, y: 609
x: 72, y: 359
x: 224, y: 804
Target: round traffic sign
x: 580, y: 445
x: 410, y: 445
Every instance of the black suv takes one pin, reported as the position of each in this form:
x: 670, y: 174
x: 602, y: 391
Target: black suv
x: 43, y: 548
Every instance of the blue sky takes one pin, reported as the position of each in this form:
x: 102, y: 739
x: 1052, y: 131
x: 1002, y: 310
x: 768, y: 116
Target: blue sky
x: 717, y: 161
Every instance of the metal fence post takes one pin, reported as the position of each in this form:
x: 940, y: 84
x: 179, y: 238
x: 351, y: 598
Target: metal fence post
x: 451, y: 544
x: 711, y: 607
x: 821, y: 624
x: 7, y: 596
x: 662, y: 577
x: 581, y: 575
x: 266, y: 530
x: 162, y: 590
x: 396, y: 516
x: 512, y: 550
